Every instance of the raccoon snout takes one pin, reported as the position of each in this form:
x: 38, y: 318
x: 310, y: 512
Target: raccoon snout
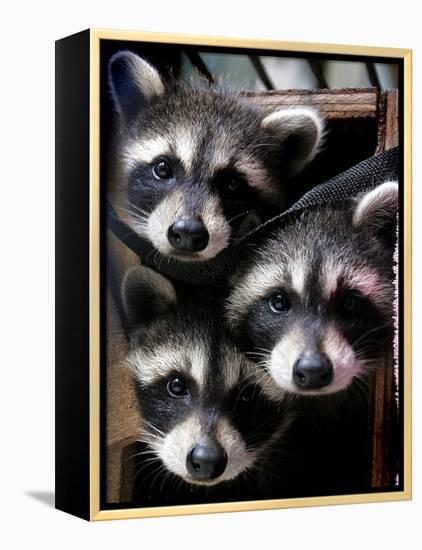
x: 206, y: 461
x: 188, y: 234
x: 313, y: 371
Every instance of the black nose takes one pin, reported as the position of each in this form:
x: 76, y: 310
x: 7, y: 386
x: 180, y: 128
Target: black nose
x: 206, y: 461
x: 313, y: 371
x: 188, y: 234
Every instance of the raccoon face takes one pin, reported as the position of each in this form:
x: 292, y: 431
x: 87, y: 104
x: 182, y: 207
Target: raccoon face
x: 205, y: 418
x: 315, y: 309
x: 201, y: 167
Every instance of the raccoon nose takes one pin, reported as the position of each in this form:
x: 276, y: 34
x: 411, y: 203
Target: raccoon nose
x: 313, y: 371
x: 206, y: 461
x: 188, y: 234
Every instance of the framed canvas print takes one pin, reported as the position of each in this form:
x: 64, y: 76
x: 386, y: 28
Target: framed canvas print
x: 233, y: 274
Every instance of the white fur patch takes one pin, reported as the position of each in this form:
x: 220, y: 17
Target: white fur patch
x: 160, y: 219
x: 298, y: 273
x: 146, y: 151
x: 330, y: 275
x: 365, y: 280
x: 155, y: 226
x: 173, y: 449
x: 257, y: 177
x: 293, y: 344
x: 239, y: 458
x: 369, y: 283
x: 294, y: 121
x: 283, y: 358
x: 199, y: 360
x: 180, y: 144
x: 218, y: 229
x: 232, y: 367
x: 185, y: 147
x: 150, y: 365
x: 144, y: 76
x: 383, y: 197
x: 268, y: 274
x: 253, y: 287
x: 220, y: 150
x: 345, y: 364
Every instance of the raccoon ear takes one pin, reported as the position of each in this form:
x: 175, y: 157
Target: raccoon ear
x: 377, y: 210
x: 146, y: 294
x: 133, y: 82
x: 299, y: 133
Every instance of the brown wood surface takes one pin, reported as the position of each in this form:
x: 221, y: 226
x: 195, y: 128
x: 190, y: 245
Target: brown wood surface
x: 388, y: 121
x: 333, y: 104
x: 123, y: 418
x: 392, y: 120
x: 384, y: 407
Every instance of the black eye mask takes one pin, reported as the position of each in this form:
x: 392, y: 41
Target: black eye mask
x: 361, y: 177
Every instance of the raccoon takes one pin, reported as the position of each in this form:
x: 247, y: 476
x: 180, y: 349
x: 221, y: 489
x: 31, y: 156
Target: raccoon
x: 195, y: 166
x: 314, y: 305
x: 206, y: 420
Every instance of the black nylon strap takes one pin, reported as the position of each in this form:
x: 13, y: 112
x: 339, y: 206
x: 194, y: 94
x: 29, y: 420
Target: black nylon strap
x: 362, y: 176
x: 132, y: 240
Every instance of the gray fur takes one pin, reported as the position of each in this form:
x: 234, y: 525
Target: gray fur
x: 208, y: 136
x: 184, y: 337
x: 323, y: 255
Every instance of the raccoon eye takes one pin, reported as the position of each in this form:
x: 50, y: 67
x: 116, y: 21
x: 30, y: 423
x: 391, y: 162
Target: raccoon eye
x: 279, y: 302
x: 243, y: 398
x: 177, y: 387
x: 162, y: 170
x: 229, y: 182
x: 233, y: 184
x: 246, y: 394
x: 351, y: 304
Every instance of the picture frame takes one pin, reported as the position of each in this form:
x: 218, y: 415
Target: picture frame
x: 86, y: 400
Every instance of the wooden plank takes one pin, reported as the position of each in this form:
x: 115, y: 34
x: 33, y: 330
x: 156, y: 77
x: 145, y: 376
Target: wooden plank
x: 388, y: 125
x: 123, y: 418
x: 377, y: 420
x: 384, y: 410
x: 392, y: 130
x: 334, y: 104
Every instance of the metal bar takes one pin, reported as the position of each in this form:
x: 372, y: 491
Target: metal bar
x: 373, y: 75
x: 262, y: 73
x: 199, y: 64
x: 317, y: 69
